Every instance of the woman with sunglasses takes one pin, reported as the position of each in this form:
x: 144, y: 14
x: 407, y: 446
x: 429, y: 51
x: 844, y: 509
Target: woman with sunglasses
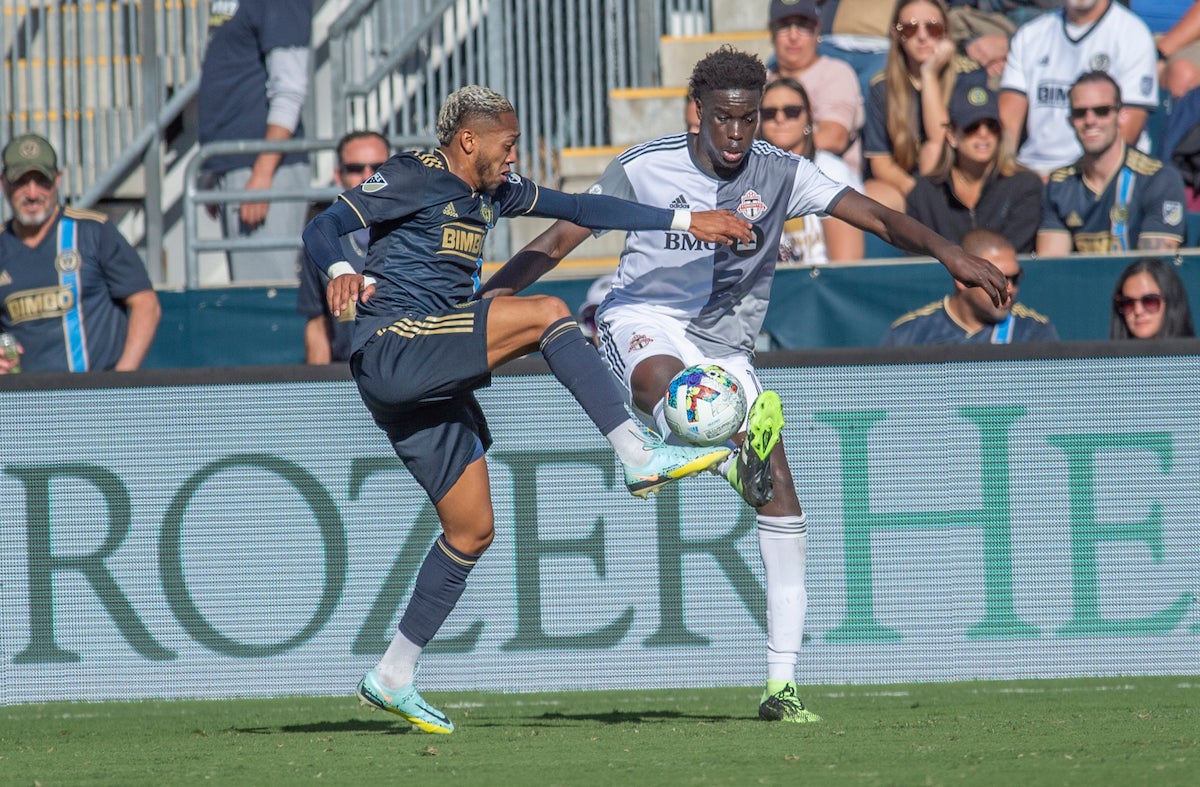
x: 906, y: 109
x: 786, y: 122
x: 977, y: 182
x: 1150, y: 302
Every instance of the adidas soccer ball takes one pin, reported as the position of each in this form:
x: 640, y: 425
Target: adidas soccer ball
x: 705, y: 405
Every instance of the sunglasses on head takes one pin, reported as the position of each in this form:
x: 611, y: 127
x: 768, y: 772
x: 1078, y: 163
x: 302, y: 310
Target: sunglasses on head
x: 909, y: 29
x: 1151, y: 304
x: 357, y: 169
x: 791, y: 112
x: 1079, y: 113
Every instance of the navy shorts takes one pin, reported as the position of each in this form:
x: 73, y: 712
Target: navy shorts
x: 416, y: 377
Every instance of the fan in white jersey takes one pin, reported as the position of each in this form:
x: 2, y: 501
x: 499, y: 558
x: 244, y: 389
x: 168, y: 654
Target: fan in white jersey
x: 676, y: 301
x: 1045, y: 58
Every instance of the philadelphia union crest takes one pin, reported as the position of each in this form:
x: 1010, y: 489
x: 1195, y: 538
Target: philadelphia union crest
x: 67, y: 261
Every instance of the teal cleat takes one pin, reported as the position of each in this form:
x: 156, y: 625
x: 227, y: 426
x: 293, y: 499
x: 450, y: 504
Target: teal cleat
x: 405, y: 702
x: 750, y: 473
x: 667, y: 463
x: 780, y: 702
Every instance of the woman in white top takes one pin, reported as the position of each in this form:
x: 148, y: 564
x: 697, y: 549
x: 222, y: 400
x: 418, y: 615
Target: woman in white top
x: 786, y: 123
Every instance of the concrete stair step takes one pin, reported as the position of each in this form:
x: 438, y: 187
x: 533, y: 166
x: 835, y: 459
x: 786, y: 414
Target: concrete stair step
x: 738, y: 15
x: 678, y: 55
x: 638, y: 114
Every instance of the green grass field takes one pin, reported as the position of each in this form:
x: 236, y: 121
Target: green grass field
x: 1094, y: 731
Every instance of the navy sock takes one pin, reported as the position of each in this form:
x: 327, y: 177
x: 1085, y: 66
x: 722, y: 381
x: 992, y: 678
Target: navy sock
x: 577, y: 365
x: 440, y: 583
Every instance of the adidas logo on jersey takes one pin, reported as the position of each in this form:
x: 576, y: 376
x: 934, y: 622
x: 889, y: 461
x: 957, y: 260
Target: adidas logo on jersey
x: 5, y: 278
x: 1074, y: 220
x: 680, y: 203
x: 450, y: 211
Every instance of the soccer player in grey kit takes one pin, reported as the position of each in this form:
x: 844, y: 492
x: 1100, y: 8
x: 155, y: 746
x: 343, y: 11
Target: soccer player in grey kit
x: 677, y: 302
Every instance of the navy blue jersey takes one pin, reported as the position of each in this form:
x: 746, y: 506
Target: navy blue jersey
x: 232, y: 98
x: 1145, y: 198
x: 427, y: 234
x: 933, y: 324
x: 876, y: 139
x: 63, y: 299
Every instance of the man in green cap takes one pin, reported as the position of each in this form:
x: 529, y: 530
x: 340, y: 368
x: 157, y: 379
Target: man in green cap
x: 73, y: 291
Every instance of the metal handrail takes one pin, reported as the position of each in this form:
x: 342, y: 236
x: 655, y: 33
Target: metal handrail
x: 194, y: 196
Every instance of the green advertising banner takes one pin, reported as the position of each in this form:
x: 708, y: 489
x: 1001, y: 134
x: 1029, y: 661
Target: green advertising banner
x: 985, y: 517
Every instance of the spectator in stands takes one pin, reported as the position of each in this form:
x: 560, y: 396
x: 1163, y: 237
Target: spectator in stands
x: 1049, y: 53
x: 785, y: 122
x: 977, y: 183
x: 1150, y: 302
x: 963, y: 317
x: 1114, y: 198
x: 73, y: 291
x: 360, y: 154
x: 253, y: 85
x: 856, y: 31
x: 1177, y: 27
x: 586, y: 316
x: 836, y: 110
x: 907, y: 108
x: 982, y: 34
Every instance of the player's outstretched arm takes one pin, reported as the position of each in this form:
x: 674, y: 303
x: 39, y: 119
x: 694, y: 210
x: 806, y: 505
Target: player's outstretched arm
x: 534, y: 261
x: 909, y: 234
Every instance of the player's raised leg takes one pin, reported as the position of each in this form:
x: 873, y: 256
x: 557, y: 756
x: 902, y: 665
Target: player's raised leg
x: 519, y: 325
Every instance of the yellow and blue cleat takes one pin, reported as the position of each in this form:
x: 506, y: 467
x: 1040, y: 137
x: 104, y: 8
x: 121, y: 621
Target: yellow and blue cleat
x: 666, y: 463
x: 404, y: 702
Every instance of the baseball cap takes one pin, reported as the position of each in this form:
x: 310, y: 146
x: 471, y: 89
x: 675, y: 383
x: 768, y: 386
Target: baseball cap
x: 782, y: 9
x: 29, y: 153
x: 969, y: 107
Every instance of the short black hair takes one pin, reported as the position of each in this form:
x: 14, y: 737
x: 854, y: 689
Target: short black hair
x: 727, y: 69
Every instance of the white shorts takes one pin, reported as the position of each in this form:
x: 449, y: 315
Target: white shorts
x: 629, y: 334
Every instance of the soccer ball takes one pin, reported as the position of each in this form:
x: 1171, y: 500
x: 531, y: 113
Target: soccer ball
x: 705, y: 405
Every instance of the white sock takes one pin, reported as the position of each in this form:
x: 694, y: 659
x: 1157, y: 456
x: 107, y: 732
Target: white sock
x: 627, y: 440
x: 783, y: 543
x: 399, y: 663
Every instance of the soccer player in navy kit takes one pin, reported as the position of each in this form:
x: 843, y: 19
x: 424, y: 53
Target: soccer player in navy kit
x: 423, y: 342
x: 675, y: 302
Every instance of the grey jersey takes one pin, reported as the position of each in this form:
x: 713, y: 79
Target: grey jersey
x: 719, y: 292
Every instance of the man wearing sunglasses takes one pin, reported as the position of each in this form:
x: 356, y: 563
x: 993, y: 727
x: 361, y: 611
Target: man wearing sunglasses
x: 1045, y: 57
x: 359, y: 155
x: 1114, y: 198
x: 967, y: 316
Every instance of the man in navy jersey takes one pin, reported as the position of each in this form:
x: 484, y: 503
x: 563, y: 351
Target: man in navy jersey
x: 73, y: 291
x: 424, y: 341
x: 677, y: 302
x: 967, y: 316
